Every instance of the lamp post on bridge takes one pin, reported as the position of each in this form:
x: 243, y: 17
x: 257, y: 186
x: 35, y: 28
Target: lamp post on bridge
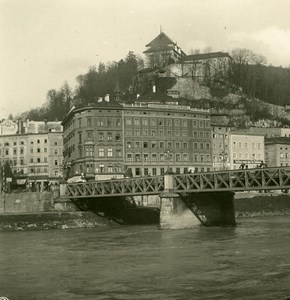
x: 167, y: 155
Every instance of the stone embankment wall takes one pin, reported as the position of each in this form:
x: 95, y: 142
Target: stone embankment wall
x: 262, y: 204
x: 26, y: 202
x: 52, y: 220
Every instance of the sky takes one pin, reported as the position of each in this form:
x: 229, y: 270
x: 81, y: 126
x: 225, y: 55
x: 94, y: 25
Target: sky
x: 45, y: 43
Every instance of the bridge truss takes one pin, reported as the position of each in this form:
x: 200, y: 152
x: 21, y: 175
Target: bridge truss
x: 230, y: 180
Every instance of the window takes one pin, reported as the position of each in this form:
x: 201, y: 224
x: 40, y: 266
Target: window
x: 161, y: 132
x: 185, y: 156
x: 185, y: 145
x: 177, y: 145
x: 102, y: 168
x: 136, y: 121
x: 45, y: 159
x: 128, y: 121
x: 145, y: 122
x: 45, y: 150
x: 146, y: 172
x: 154, y: 171
x: 184, y: 123
x: 138, y: 171
x: 145, y: 144
x: 38, y: 141
x: 109, y: 136
x: 145, y: 157
x: 89, y: 122
x: 101, y: 152
x: 176, y: 123
x: 177, y: 157
x: 184, y: 133
x: 118, y: 152
x: 145, y: 132
x: 153, y: 145
x: 201, y: 124
x: 55, y: 152
x: 169, y: 122
x: 89, y: 151
x: 31, y: 160
x: 153, y: 157
x: 137, y: 132
x: 80, y: 137
x: 129, y: 144
x: 169, y: 144
x: 100, y: 122
x: 129, y: 157
x: 45, y: 141
x: 109, y: 122
x: 38, y: 150
x: 56, y: 162
x: 161, y: 145
x: 14, y: 151
x: 201, y: 146
x: 137, y: 157
x: 110, y: 168
x: 153, y: 122
x: 176, y: 132
x: 153, y: 132
x: 118, y: 137
x: 118, y: 122
x: 110, y: 152
x: 101, y: 136
x: 137, y: 144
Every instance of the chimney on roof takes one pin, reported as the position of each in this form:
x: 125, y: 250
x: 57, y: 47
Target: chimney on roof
x: 100, y: 99
x: 107, y: 98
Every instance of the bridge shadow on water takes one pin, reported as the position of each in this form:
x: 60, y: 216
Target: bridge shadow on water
x: 122, y: 210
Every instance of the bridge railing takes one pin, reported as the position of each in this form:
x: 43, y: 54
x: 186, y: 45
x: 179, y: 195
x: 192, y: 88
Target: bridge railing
x: 117, y: 187
x: 234, y: 180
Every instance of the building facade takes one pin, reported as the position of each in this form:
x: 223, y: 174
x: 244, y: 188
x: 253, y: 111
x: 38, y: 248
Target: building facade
x: 108, y: 138
x: 31, y: 156
x: 247, y: 149
x: 277, y: 151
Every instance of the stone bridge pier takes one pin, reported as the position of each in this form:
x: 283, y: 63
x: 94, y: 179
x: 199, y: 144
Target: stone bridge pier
x: 179, y: 211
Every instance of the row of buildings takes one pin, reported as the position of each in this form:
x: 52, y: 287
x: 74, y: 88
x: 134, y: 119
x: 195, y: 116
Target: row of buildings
x: 33, y: 150
x: 147, y: 138
x: 108, y: 138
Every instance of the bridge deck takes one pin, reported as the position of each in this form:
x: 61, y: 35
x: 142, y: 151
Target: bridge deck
x: 231, y: 180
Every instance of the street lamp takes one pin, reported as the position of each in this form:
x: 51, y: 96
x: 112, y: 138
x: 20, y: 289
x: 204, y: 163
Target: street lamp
x: 167, y: 155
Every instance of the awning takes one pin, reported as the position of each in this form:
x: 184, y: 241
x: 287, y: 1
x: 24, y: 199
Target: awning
x: 21, y: 181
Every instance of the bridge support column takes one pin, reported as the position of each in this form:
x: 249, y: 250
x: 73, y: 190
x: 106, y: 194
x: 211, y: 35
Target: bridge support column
x: 174, y: 214
x: 216, y: 207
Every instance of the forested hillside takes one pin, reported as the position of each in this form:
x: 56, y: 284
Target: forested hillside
x: 249, y: 71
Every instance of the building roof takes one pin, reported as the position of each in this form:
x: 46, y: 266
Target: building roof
x: 277, y: 140
x: 161, y: 40
x: 100, y: 104
x: 205, y: 56
x: 161, y: 43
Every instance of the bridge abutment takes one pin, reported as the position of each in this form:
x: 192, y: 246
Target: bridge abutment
x: 174, y: 214
x: 186, y: 211
x: 214, y: 208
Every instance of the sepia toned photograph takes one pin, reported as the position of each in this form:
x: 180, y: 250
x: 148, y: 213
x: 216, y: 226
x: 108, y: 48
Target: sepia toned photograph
x: 144, y: 150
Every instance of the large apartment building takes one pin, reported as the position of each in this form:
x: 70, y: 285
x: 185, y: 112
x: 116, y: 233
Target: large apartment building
x: 146, y: 138
x: 34, y: 153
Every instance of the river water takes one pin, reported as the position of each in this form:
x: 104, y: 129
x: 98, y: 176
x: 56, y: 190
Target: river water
x: 251, y: 261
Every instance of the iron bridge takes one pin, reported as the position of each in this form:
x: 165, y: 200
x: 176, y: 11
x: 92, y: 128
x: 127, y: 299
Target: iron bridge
x: 277, y: 178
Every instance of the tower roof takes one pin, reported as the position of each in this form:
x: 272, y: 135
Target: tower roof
x: 160, y: 43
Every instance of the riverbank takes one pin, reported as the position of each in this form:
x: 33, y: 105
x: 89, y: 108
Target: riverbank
x: 254, y: 204
x: 52, y: 220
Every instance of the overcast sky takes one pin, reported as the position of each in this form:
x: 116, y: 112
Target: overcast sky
x: 46, y: 42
